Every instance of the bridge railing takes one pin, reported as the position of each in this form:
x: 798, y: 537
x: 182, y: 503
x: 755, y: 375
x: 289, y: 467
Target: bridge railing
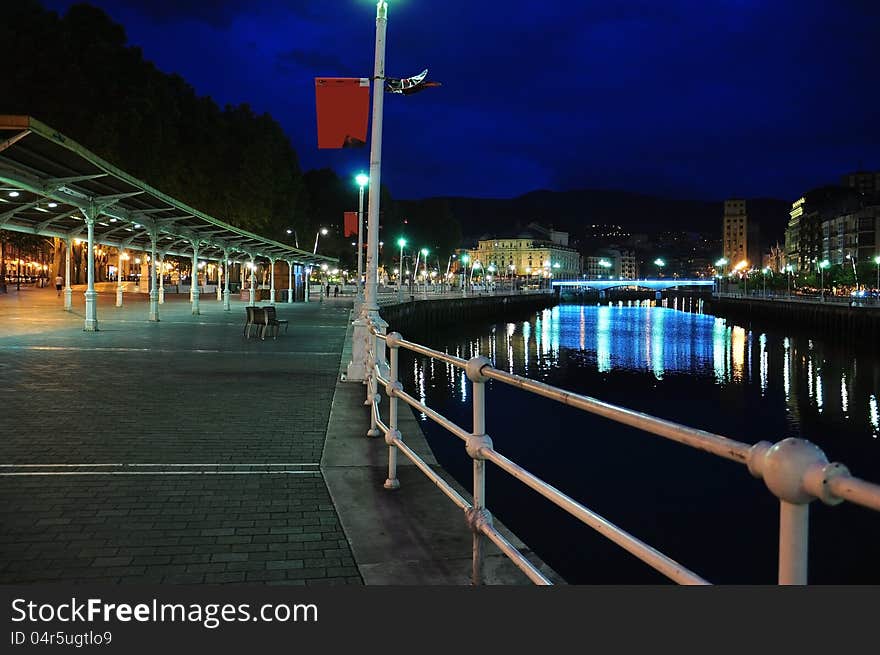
x: 796, y: 471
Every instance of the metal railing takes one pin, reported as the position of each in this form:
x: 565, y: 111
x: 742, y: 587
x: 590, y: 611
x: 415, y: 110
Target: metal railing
x: 796, y: 471
x: 775, y: 296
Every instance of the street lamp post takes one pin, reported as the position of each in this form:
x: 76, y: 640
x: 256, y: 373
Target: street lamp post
x: 659, y: 263
x: 788, y: 271
x: 822, y: 266
x: 424, y: 252
x: 722, y: 263
x: 400, y: 242
x: 877, y: 261
x: 362, y: 181
x: 322, y: 232
x: 465, y: 258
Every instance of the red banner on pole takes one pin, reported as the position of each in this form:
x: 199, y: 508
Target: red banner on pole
x: 351, y: 224
x: 343, y: 108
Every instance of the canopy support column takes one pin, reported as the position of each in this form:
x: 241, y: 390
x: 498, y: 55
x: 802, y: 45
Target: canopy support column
x: 289, y: 281
x: 91, y: 320
x: 68, y: 291
x: 221, y: 273
x: 162, y: 279
x: 119, y: 289
x: 226, y: 269
x: 253, y: 292
x: 195, y: 279
x: 272, y: 281
x: 154, y: 292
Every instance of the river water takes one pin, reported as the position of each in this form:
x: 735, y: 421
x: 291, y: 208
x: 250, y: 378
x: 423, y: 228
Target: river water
x: 709, y: 514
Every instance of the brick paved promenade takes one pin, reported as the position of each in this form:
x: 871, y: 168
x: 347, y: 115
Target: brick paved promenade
x: 176, y: 452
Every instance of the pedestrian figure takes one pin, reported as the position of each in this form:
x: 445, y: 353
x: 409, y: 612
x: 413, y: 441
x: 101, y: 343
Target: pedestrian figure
x: 328, y: 289
x: 336, y: 291
x: 58, y: 282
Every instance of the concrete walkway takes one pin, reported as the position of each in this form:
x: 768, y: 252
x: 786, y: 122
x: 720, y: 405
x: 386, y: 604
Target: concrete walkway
x: 181, y: 452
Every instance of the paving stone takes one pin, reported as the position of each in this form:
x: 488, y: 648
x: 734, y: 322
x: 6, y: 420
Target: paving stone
x: 186, y: 390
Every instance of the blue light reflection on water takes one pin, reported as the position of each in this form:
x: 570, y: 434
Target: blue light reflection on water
x: 692, y: 368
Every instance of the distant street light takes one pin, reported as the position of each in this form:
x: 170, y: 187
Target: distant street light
x: 659, y: 263
x: 425, y: 252
x: 822, y: 266
x: 721, y: 263
x: 321, y: 232
x: 400, y: 242
x: 362, y: 181
x: 877, y: 261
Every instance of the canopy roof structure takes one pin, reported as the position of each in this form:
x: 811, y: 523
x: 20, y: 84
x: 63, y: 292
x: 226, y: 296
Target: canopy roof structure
x: 49, y: 183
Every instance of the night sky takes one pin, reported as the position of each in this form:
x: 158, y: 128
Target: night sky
x: 700, y: 99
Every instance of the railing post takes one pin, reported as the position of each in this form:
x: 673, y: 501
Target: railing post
x: 393, y: 342
x: 797, y: 472
x: 478, y: 516
x: 373, y: 396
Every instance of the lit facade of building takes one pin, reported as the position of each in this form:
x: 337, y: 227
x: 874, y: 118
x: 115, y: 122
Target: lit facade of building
x: 734, y: 231
x: 611, y: 264
x: 528, y: 255
x: 852, y: 237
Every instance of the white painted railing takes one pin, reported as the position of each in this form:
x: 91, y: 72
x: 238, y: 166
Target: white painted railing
x: 794, y: 470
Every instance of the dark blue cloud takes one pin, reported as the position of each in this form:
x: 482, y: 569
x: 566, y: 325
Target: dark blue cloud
x: 688, y: 98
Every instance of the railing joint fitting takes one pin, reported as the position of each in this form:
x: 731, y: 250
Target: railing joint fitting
x: 393, y: 339
x: 795, y: 470
x: 392, y: 388
x: 478, y: 519
x: 475, y: 366
x: 391, y: 435
x: 475, y: 444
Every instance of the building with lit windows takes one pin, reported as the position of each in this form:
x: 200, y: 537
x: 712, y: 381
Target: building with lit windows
x: 740, y: 237
x: 610, y: 263
x: 536, y: 253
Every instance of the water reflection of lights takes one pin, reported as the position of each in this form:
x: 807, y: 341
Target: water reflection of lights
x: 719, y: 348
x: 810, y: 378
x: 874, y: 414
x: 657, y: 344
x: 582, y: 329
x: 738, y: 352
x: 762, y: 341
x: 786, y: 368
x: 844, y: 395
x: 419, y: 374
x: 546, y: 346
x: 819, y: 399
x: 511, y: 330
x: 603, y: 338
x: 526, y: 332
x: 749, y: 355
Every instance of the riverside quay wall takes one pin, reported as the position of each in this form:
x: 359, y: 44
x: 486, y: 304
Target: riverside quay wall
x: 841, y: 322
x: 425, y: 316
